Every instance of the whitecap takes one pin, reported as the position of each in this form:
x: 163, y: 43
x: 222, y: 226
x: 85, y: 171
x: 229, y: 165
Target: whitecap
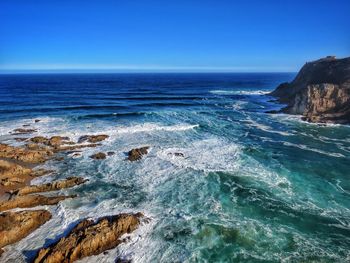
x: 240, y: 92
x: 151, y: 127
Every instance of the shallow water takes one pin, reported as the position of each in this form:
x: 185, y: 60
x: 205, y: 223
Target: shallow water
x: 251, y: 187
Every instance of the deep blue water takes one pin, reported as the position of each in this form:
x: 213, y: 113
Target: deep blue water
x: 251, y: 187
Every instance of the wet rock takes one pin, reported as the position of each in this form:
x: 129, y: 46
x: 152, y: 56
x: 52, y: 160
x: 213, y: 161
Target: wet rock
x: 75, y: 147
x: 20, y: 139
x: 16, y: 225
x: 37, y: 120
x: 93, y: 138
x: 23, y: 131
x: 39, y: 139
x: 53, y: 186
x: 26, y: 125
x: 31, y: 201
x: 23, y: 154
x: 90, y: 238
x: 136, y: 154
x: 177, y: 154
x: 98, y: 156
x: 110, y: 153
x: 56, y: 141
x: 59, y: 158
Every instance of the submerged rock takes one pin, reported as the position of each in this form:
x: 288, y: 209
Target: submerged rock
x: 23, y: 131
x: 31, y: 201
x: 90, y: 238
x: 98, y: 156
x: 54, y: 186
x: 320, y: 92
x: 136, y: 154
x: 93, y: 138
x: 16, y: 225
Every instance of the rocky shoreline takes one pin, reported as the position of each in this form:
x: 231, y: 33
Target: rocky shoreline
x: 19, y: 165
x: 320, y: 92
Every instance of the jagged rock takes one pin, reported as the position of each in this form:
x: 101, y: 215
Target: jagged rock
x: 54, y: 141
x: 93, y: 138
x: 90, y: 238
x: 98, y: 156
x: 39, y: 139
x: 23, y: 131
x: 136, y: 154
x: 16, y: 225
x: 54, y: 186
x: 31, y: 201
x: 13, y: 175
x: 8, y: 169
x: 320, y: 92
x: 23, y: 154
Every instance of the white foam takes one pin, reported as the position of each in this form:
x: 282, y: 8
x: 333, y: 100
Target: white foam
x: 151, y: 127
x: 304, y: 147
x: 240, y: 92
x: 205, y: 155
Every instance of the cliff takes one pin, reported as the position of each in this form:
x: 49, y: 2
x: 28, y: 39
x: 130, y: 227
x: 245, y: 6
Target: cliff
x: 320, y: 92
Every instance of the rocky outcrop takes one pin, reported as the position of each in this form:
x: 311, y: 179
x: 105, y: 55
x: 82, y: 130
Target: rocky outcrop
x: 23, y: 154
x: 320, y: 92
x: 54, y: 186
x: 93, y: 138
x: 98, y: 156
x: 16, y: 225
x: 137, y: 154
x: 31, y: 201
x: 90, y: 238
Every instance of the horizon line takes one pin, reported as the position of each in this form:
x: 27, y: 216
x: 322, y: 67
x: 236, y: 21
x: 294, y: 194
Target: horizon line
x: 105, y: 68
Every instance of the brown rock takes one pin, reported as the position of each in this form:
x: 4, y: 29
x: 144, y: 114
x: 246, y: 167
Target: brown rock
x: 98, y: 156
x: 93, y: 138
x: 136, y: 154
x: 31, y: 201
x: 39, y: 139
x: 13, y: 175
x: 320, y: 92
x: 8, y: 169
x: 23, y: 154
x: 90, y: 238
x: 55, y: 141
x: 75, y: 147
x: 16, y: 225
x: 54, y: 186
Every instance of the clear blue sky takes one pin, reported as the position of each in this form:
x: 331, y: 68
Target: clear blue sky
x: 178, y: 35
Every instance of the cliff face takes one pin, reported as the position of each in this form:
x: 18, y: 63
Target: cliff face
x: 320, y: 92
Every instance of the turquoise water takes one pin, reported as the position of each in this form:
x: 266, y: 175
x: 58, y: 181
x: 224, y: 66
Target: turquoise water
x: 251, y: 187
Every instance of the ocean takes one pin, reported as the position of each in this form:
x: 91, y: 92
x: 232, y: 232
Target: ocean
x: 247, y: 187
